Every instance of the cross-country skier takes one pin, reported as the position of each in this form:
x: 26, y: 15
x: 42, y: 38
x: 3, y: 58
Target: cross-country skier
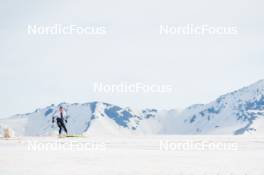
x: 60, y: 118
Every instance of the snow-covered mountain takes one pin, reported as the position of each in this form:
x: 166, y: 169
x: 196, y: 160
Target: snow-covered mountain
x: 239, y: 112
x: 97, y: 117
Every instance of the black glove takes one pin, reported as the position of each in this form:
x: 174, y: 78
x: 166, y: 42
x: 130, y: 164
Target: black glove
x: 66, y: 121
x: 52, y: 119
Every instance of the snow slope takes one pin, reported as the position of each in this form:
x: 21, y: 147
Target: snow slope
x: 134, y: 155
x: 238, y: 112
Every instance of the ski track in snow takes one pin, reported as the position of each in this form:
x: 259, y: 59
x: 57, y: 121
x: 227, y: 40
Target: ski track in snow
x: 133, y: 155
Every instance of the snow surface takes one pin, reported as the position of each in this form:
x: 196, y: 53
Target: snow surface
x: 133, y: 155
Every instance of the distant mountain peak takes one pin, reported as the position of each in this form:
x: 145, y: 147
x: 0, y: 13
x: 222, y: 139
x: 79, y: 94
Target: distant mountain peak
x: 238, y: 112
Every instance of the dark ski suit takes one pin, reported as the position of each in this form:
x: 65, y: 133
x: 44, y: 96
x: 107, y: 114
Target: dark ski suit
x: 60, y: 121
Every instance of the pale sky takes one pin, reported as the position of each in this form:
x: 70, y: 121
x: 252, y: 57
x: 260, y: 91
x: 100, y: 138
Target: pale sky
x: 37, y: 71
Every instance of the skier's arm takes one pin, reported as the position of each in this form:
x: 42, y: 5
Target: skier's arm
x: 54, y: 116
x: 66, y: 116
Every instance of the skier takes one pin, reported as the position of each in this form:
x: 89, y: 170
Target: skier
x: 59, y: 115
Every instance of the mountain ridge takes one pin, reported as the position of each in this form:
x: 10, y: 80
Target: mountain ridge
x: 238, y: 112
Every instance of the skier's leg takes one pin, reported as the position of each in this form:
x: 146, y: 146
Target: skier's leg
x: 59, y: 125
x: 64, y: 127
x: 60, y: 130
